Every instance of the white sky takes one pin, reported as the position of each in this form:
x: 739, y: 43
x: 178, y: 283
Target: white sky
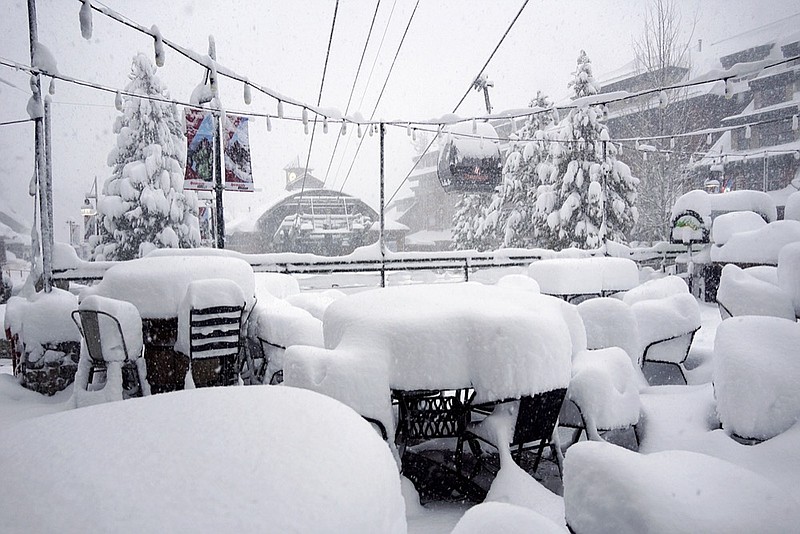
x: 282, y: 45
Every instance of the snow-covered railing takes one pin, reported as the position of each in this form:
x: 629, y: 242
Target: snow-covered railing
x: 369, y: 260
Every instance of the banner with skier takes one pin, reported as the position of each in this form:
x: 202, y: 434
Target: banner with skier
x: 199, y: 150
x: 238, y: 171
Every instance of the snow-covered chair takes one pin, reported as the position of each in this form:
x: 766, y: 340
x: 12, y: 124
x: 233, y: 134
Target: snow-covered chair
x: 112, y: 347
x: 741, y: 293
x: 516, y: 425
x: 666, y: 328
x: 756, y: 371
x: 604, y: 390
x: 788, y: 271
x: 209, y: 331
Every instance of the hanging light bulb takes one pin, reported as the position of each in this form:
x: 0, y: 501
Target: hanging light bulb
x: 474, y: 126
x: 118, y: 101
x: 280, y: 109
x: 794, y: 123
x: 324, y: 124
x: 709, y: 139
x: 413, y: 134
x: 672, y: 143
x: 305, y: 116
x: 481, y: 145
x: 358, y: 130
x: 371, y: 130
x: 644, y: 156
x: 797, y: 155
x: 662, y: 99
x: 269, y: 124
x: 408, y: 130
x: 748, y: 132
x: 247, y: 96
x: 637, y: 144
x: 344, y: 127
x: 666, y: 155
x: 728, y: 88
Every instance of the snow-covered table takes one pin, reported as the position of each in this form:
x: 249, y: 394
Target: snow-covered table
x: 156, y: 285
x: 503, y: 342
x: 570, y: 278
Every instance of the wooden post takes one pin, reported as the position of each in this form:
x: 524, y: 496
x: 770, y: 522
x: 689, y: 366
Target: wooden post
x: 40, y: 163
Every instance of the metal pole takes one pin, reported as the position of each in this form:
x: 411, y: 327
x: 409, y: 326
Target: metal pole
x: 218, y: 187
x: 382, y: 240
x: 45, y: 222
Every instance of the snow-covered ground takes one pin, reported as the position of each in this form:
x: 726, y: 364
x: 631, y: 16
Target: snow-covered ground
x: 674, y: 418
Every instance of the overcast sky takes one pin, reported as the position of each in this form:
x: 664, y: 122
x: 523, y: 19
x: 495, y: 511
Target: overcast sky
x: 282, y: 45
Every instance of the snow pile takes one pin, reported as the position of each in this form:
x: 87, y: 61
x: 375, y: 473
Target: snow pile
x: 758, y: 246
x: 301, y: 462
x: 516, y: 487
x: 728, y: 224
x: 788, y: 272
x: 114, y: 346
x: 657, y: 288
x: 765, y: 273
x: 661, y: 319
x: 156, y: 285
x: 520, y: 282
x: 608, y: 489
x: 506, y: 518
x: 478, y: 144
x: 573, y: 276
x: 792, y: 209
x: 315, y: 303
x: 206, y: 294
x: 605, y: 386
x: 276, y: 284
x: 610, y: 322
x: 756, y: 371
x: 741, y: 293
x: 14, y: 312
x: 46, y: 319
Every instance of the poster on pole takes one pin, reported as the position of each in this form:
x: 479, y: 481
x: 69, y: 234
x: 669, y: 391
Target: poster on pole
x: 199, y: 150
x: 238, y: 171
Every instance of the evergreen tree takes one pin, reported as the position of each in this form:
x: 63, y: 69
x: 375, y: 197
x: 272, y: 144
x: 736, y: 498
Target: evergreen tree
x: 144, y: 206
x: 469, y: 224
x: 585, y: 195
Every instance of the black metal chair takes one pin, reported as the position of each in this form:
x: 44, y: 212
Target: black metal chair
x: 659, y: 371
x: 536, y: 420
x: 89, y: 326
x: 214, y: 344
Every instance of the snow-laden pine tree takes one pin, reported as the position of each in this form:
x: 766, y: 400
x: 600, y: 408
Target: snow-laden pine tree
x: 470, y: 230
x: 143, y: 206
x: 585, y: 195
x: 510, y: 212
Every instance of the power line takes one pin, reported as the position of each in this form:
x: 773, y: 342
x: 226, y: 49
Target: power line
x: 353, y: 89
x: 319, y: 100
x: 19, y: 121
x: 385, y: 82
x: 496, y: 48
x: 369, y: 79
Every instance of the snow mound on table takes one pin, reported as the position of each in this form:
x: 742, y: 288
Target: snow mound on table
x: 506, y: 518
x: 743, y: 294
x: 758, y: 246
x: 608, y: 489
x: 728, y: 224
x: 605, y: 387
x: 245, y: 459
x: 157, y: 284
x: 610, y: 322
x: 767, y: 273
x: 657, y: 288
x: 792, y: 209
x: 441, y: 337
x: 129, y: 321
x: 756, y: 372
x: 514, y: 486
x: 789, y: 273
x: 572, y: 276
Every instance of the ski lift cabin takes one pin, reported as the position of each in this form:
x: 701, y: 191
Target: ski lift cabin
x: 470, y: 161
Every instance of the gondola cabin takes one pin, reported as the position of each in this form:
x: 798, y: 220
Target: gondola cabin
x: 470, y: 161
